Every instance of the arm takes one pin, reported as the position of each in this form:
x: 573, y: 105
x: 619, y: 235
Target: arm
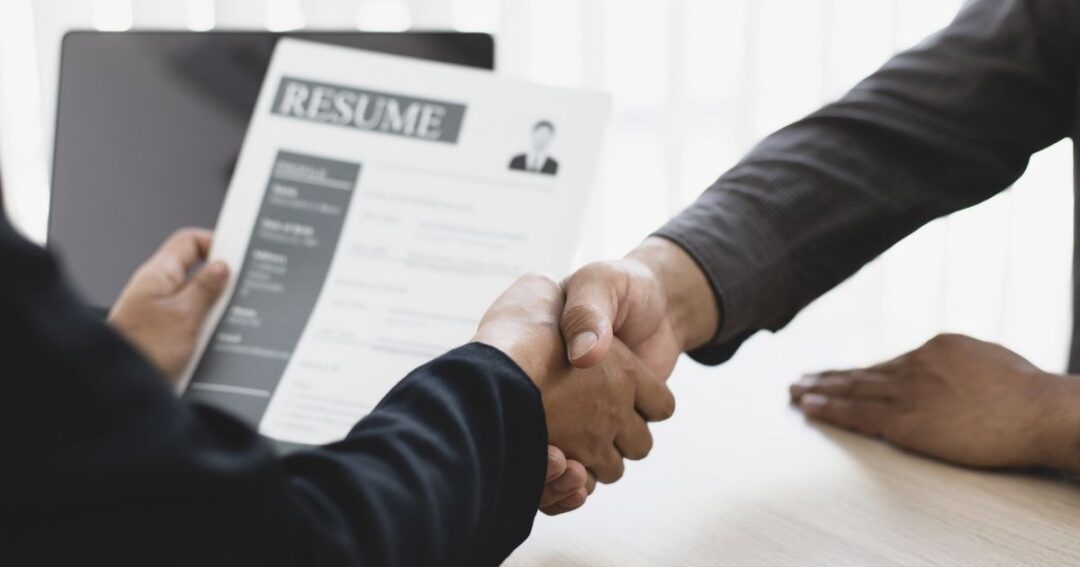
x: 105, y: 462
x: 448, y: 469
x: 938, y: 128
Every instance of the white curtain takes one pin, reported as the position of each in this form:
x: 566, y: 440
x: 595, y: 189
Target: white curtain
x: 696, y: 83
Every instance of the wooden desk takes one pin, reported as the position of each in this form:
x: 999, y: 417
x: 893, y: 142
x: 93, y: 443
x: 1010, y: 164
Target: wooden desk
x: 738, y: 477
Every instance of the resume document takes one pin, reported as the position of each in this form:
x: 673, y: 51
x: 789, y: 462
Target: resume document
x: 378, y: 206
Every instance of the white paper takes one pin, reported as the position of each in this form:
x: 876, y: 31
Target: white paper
x: 372, y: 218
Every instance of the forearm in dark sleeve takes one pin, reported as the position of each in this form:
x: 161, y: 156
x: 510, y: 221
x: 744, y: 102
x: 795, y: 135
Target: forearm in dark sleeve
x: 939, y: 128
x: 454, y: 455
x: 103, y: 462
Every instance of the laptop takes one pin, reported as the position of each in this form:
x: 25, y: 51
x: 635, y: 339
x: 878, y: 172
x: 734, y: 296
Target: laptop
x: 149, y: 126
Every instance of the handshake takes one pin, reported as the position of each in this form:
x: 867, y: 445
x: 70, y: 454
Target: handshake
x: 600, y: 348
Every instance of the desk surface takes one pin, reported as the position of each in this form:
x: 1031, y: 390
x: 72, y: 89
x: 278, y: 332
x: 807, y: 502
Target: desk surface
x: 738, y: 477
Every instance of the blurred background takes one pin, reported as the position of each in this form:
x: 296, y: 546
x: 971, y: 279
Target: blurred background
x: 696, y: 84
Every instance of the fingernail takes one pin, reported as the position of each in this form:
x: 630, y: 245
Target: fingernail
x: 813, y: 401
x: 582, y: 344
x: 805, y: 383
x: 218, y: 268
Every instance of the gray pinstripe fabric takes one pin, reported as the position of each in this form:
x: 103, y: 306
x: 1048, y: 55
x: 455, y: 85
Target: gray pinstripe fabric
x: 939, y: 128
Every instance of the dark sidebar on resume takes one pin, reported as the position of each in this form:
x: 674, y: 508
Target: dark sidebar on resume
x: 289, y: 254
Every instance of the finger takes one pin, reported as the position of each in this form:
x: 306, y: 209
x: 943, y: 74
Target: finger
x: 652, y: 397
x: 179, y: 253
x: 205, y: 287
x: 590, y: 483
x: 851, y: 384
x: 862, y: 415
x: 610, y: 468
x: 568, y: 504
x: 634, y: 441
x: 590, y: 308
x: 556, y: 463
x: 573, y: 479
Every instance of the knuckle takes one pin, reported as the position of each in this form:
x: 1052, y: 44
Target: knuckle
x: 608, y: 274
x: 540, y: 285
x: 576, y: 473
x: 666, y: 407
x: 572, y: 502
x: 638, y: 449
x: 611, y: 474
x: 596, y: 270
x: 921, y: 356
x: 645, y: 448
x: 944, y: 340
x: 537, y: 279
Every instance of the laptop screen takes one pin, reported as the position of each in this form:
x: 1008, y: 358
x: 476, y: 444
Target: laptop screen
x: 148, y: 128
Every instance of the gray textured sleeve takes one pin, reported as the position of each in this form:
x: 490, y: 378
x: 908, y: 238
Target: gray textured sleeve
x: 938, y: 128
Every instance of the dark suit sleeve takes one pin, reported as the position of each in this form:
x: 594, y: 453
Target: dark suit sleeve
x: 938, y: 128
x: 103, y: 465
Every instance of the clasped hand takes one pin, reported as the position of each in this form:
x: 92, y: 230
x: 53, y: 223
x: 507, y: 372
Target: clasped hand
x: 598, y: 416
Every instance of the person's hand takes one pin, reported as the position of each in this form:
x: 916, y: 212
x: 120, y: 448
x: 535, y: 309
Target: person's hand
x: 567, y: 484
x: 164, y: 304
x: 656, y: 301
x: 590, y: 414
x: 956, y: 399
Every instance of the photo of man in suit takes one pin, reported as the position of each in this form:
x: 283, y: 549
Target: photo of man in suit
x: 537, y: 160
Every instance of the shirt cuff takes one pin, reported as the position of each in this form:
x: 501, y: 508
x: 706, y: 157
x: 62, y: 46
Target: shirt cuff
x: 736, y: 256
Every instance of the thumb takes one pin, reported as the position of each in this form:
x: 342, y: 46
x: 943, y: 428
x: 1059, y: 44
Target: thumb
x: 586, y: 323
x: 206, y: 286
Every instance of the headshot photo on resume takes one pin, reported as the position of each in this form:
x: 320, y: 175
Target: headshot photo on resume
x: 537, y: 159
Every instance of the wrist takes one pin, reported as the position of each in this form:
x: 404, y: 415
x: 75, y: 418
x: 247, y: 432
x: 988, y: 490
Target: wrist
x: 1059, y: 428
x: 691, y: 305
x: 523, y: 351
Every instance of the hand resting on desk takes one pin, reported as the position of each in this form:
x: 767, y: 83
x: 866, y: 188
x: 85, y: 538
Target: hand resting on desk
x: 957, y: 399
